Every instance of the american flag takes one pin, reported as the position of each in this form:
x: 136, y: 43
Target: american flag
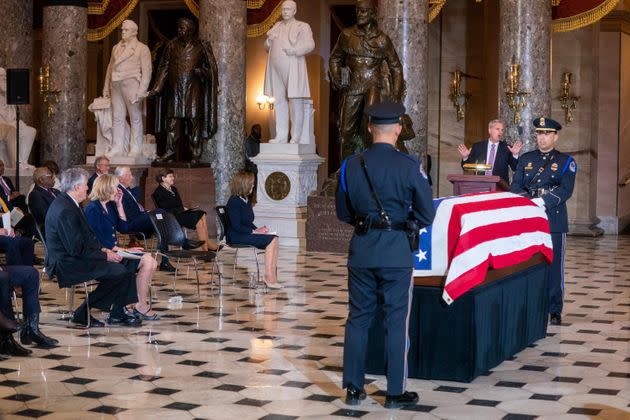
x: 474, y: 232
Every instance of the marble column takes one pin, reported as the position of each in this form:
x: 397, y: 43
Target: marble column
x: 405, y: 22
x: 16, y: 41
x: 65, y: 52
x: 525, y: 40
x: 224, y: 25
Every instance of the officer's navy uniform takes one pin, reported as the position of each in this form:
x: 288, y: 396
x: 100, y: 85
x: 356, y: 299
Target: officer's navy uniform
x: 381, y: 261
x: 550, y: 176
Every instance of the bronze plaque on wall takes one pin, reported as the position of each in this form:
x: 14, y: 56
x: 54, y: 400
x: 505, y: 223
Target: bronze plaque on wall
x: 324, y: 232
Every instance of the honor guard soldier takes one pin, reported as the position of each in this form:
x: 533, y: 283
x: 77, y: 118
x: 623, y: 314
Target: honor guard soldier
x: 379, y: 191
x: 548, y: 176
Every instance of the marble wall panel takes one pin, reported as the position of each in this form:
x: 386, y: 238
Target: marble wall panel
x: 16, y: 41
x: 623, y: 209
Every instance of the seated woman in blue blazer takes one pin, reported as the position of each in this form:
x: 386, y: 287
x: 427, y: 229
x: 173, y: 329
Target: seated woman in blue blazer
x: 106, y: 215
x: 241, y: 228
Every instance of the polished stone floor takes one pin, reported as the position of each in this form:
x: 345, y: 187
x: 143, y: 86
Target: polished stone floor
x: 244, y: 354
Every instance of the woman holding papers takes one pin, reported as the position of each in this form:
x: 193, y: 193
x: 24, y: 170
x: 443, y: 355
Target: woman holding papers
x: 106, y: 215
x: 241, y: 228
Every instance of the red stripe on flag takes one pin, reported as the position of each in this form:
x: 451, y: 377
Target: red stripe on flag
x: 495, y: 231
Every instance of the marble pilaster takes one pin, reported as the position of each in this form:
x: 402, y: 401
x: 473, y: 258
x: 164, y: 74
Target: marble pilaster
x: 16, y: 40
x: 65, y: 51
x: 405, y: 21
x: 526, y: 40
x: 224, y: 25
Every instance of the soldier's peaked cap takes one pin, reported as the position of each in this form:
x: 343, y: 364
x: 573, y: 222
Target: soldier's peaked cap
x: 546, y: 124
x: 382, y: 113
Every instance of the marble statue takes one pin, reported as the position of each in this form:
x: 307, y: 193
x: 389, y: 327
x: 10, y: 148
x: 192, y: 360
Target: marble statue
x: 365, y: 66
x: 102, y: 109
x: 189, y: 69
x: 126, y: 83
x: 286, y: 78
x: 8, y: 130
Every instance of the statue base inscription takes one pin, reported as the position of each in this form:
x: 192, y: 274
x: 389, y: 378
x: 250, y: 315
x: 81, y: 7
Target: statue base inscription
x: 324, y: 232
x: 287, y: 174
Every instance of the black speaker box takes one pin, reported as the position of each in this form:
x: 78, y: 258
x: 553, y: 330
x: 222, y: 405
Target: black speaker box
x: 17, y: 87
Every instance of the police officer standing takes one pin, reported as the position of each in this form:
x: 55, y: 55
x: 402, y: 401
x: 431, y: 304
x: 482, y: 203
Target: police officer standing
x: 548, y: 176
x: 380, y: 259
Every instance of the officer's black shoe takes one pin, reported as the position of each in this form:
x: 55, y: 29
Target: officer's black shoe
x: 10, y: 347
x: 354, y: 396
x: 124, y: 321
x: 555, y: 319
x: 192, y: 244
x: 166, y: 266
x: 403, y: 400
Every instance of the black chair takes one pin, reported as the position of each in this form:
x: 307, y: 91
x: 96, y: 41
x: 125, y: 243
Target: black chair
x: 169, y: 232
x: 224, y: 244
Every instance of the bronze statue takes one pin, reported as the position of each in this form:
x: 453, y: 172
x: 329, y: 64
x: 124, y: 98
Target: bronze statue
x: 189, y: 66
x: 365, y: 66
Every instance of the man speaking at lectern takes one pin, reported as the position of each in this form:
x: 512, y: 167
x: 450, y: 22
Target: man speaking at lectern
x: 493, y: 152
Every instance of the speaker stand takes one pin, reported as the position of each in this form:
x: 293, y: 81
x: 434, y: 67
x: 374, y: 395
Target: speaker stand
x: 17, y: 148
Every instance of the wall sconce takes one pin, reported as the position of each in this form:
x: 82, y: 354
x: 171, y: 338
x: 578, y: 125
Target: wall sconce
x: 515, y: 96
x: 567, y: 101
x: 49, y: 95
x: 264, y: 101
x: 456, y: 95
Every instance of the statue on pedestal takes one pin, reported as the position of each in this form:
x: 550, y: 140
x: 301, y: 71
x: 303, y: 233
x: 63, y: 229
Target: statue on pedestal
x: 365, y: 66
x: 286, y: 78
x: 190, y: 70
x: 8, y: 130
x: 126, y: 82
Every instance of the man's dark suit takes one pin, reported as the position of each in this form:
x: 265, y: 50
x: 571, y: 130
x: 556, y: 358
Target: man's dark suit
x: 502, y: 161
x: 19, y: 201
x: 75, y: 256
x: 39, y: 200
x: 137, y: 218
x: 91, y: 180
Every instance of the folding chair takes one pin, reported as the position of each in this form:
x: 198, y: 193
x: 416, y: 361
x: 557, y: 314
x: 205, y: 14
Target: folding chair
x: 223, y: 225
x: 169, y: 232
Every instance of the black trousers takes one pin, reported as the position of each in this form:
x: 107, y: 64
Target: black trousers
x: 19, y: 250
x: 115, y: 289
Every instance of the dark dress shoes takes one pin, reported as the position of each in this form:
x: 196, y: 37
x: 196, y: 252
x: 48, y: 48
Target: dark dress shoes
x: 7, y: 324
x: 82, y: 320
x: 124, y: 321
x: 403, y: 400
x: 354, y: 395
x: 192, y: 244
x: 10, y: 347
x: 32, y: 334
x: 167, y: 267
x: 555, y: 319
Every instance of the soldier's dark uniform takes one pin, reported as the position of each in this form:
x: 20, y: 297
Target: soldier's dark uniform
x: 380, y: 261
x: 551, y: 177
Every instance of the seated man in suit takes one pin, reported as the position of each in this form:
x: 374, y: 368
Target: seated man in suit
x: 43, y: 194
x: 8, y: 193
x: 101, y: 166
x: 137, y: 218
x: 494, y: 152
x: 76, y: 256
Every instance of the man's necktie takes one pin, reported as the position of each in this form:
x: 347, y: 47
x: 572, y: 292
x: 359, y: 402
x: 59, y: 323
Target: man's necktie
x: 5, y: 209
x: 5, y: 187
x: 134, y: 199
x: 50, y: 190
x: 491, y: 158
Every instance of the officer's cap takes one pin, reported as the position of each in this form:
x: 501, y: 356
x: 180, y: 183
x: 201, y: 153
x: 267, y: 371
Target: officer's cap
x: 383, y: 113
x: 546, y: 124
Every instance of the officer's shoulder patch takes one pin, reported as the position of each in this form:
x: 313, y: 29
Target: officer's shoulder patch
x: 572, y: 166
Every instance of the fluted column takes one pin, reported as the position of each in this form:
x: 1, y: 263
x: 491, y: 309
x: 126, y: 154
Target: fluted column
x: 65, y: 51
x: 224, y: 24
x: 16, y: 40
x: 525, y: 40
x: 405, y: 21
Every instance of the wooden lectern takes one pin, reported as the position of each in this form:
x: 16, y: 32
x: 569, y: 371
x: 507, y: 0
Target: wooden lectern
x: 467, y: 184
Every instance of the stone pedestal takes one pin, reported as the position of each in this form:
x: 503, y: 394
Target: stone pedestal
x: 287, y: 174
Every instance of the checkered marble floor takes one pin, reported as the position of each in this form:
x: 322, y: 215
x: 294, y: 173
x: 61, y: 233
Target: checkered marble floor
x: 246, y: 354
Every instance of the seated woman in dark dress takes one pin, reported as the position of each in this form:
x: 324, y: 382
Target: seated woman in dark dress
x: 106, y: 215
x: 241, y: 228
x: 167, y: 197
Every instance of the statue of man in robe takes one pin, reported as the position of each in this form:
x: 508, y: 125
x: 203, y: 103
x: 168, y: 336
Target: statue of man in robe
x: 286, y: 78
x: 127, y: 80
x: 365, y: 66
x: 189, y: 69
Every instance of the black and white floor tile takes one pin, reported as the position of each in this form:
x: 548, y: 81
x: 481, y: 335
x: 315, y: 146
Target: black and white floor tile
x: 245, y: 354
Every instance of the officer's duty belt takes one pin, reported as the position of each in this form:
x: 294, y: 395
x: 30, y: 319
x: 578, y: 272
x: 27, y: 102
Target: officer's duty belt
x: 380, y: 225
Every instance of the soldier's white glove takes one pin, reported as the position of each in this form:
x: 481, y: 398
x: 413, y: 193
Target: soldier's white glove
x: 539, y: 202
